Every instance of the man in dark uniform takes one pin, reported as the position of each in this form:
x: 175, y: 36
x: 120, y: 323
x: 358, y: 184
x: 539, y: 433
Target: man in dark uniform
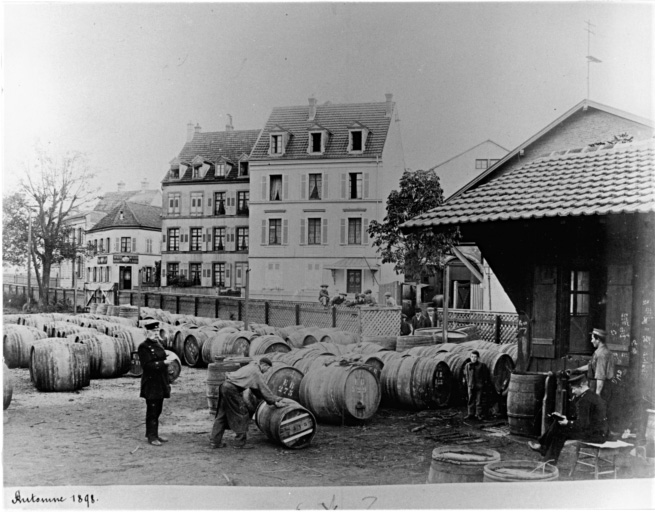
x: 232, y: 411
x: 477, y: 379
x: 589, y: 424
x: 155, y: 384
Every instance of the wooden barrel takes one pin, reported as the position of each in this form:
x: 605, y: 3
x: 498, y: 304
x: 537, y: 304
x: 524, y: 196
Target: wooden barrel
x: 386, y: 342
x: 284, y: 380
x: 174, y: 366
x: 215, y: 377
x: 311, y: 335
x: 108, y: 357
x: 404, y: 343
x: 309, y: 358
x: 113, y: 310
x: 10, y: 319
x: 261, y: 329
x: 364, y: 348
x: 17, y: 343
x: 59, y: 365
x: 456, y: 361
x: 323, y: 346
x: 415, y: 382
x: 284, y: 332
x: 134, y: 335
x: 481, y: 344
x: 524, y: 403
x: 101, y: 309
x: 340, y: 393
x: 512, y: 350
x: 293, y: 426
x: 7, y: 388
x: 453, y: 336
x: 520, y: 471
x: 500, y: 367
x: 226, y: 344
x: 266, y: 344
x: 193, y: 348
x: 459, y: 464
x: 375, y: 362
x: 339, y: 337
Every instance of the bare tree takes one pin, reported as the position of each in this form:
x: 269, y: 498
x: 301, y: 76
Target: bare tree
x: 54, y: 186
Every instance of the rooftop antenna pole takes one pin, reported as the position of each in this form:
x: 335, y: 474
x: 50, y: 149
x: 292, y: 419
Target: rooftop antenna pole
x: 590, y: 58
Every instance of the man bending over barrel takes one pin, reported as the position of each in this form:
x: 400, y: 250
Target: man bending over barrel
x: 232, y: 411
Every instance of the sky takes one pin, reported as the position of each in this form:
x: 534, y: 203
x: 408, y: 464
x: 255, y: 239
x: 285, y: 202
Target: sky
x: 120, y: 82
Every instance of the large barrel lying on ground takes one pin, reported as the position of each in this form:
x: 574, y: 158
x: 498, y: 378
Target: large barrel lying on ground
x: 174, y: 366
x: 266, y: 344
x: 458, y: 464
x: 500, y: 367
x: 404, y: 343
x: 520, y: 471
x: 227, y: 344
x: 7, y: 388
x: 193, y: 343
x: 313, y: 358
x: 386, y: 342
x: 340, y: 337
x: 215, y: 377
x: 17, y: 343
x: 415, y: 382
x: 108, y: 357
x: 284, y: 380
x: 524, y: 403
x: 292, y: 425
x: 340, y: 393
x: 59, y: 365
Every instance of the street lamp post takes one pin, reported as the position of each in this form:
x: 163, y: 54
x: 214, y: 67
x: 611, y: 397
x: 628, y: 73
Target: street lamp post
x: 247, y: 303
x: 29, y: 259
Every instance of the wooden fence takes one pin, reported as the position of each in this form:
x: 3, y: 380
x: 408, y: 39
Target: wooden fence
x: 65, y: 295
x: 492, y: 326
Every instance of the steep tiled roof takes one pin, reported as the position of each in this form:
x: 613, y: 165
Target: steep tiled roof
x: 110, y: 200
x: 134, y: 215
x: 212, y: 146
x: 589, y: 181
x: 335, y: 119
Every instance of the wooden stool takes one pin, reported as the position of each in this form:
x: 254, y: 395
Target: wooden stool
x: 600, y: 456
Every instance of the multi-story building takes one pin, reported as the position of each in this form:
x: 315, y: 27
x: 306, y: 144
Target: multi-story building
x: 318, y: 175
x: 123, y: 246
x: 206, y: 206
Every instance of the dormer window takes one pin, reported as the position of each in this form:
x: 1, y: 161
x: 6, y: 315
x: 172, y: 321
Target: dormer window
x: 175, y: 173
x: 220, y: 169
x: 357, y: 134
x: 196, y: 173
x: 278, y: 140
x: 243, y: 168
x: 276, y: 144
x: 317, y: 140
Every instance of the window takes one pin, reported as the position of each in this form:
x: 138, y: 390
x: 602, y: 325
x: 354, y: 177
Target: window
x: 243, y: 199
x: 242, y: 239
x: 354, y: 231
x: 315, y: 140
x: 356, y: 141
x: 243, y: 169
x: 240, y: 274
x: 101, y: 247
x: 95, y: 246
x: 149, y: 245
x: 80, y: 239
x: 173, y: 203
x: 126, y: 244
x: 276, y: 187
x: 108, y: 245
x: 481, y: 163
x: 173, y: 270
x: 219, y: 203
x: 147, y: 275
x: 313, y: 231
x: 355, y: 185
x: 276, y: 144
x: 275, y: 232
x: 79, y: 267
x: 219, y: 239
x: 175, y: 173
x: 196, y: 239
x: 196, y: 203
x: 195, y: 174
x: 195, y: 270
x: 579, y: 303
x: 219, y: 274
x: 220, y: 169
x: 95, y: 274
x: 174, y: 239
x: 315, y: 184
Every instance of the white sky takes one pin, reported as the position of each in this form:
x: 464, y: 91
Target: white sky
x: 119, y: 82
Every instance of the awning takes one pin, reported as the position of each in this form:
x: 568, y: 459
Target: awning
x: 353, y: 263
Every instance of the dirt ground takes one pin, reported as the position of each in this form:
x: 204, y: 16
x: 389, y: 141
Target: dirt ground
x: 96, y: 436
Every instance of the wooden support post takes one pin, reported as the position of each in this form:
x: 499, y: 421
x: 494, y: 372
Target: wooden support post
x: 195, y: 306
x: 216, y: 306
x: 497, y: 335
x: 146, y: 300
x: 334, y: 317
x: 177, y: 304
x: 297, y: 314
x: 267, y: 307
x: 239, y: 310
x: 161, y: 300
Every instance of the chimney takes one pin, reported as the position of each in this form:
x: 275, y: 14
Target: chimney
x: 197, y: 129
x: 229, y: 127
x: 144, y: 184
x: 189, y: 131
x: 389, y: 97
x: 121, y: 186
x: 312, y: 109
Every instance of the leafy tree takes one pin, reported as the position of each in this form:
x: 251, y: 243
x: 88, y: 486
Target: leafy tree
x: 418, y: 253
x: 53, y: 187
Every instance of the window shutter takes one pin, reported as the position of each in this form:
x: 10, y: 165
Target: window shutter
x: 302, y: 231
x: 324, y: 232
x: 117, y: 244
x: 285, y: 186
x: 263, y: 188
x: 343, y: 186
x: 324, y: 195
x: 285, y: 231
x: 228, y: 275
x: 544, y: 311
x: 263, y: 231
x: 343, y: 231
x: 164, y: 238
x: 365, y: 232
x: 365, y: 194
x: 303, y: 186
x: 134, y: 245
x: 619, y: 307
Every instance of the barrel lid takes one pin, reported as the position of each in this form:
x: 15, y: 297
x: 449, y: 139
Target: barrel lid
x: 462, y: 455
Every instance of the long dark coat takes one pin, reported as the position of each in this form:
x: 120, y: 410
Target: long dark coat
x: 154, y: 380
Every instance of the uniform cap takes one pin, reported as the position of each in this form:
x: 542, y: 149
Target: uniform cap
x: 578, y: 380
x: 600, y: 333
x: 151, y: 325
x: 387, y: 294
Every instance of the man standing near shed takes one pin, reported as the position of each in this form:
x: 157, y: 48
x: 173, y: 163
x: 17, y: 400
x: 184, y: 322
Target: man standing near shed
x: 600, y: 370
